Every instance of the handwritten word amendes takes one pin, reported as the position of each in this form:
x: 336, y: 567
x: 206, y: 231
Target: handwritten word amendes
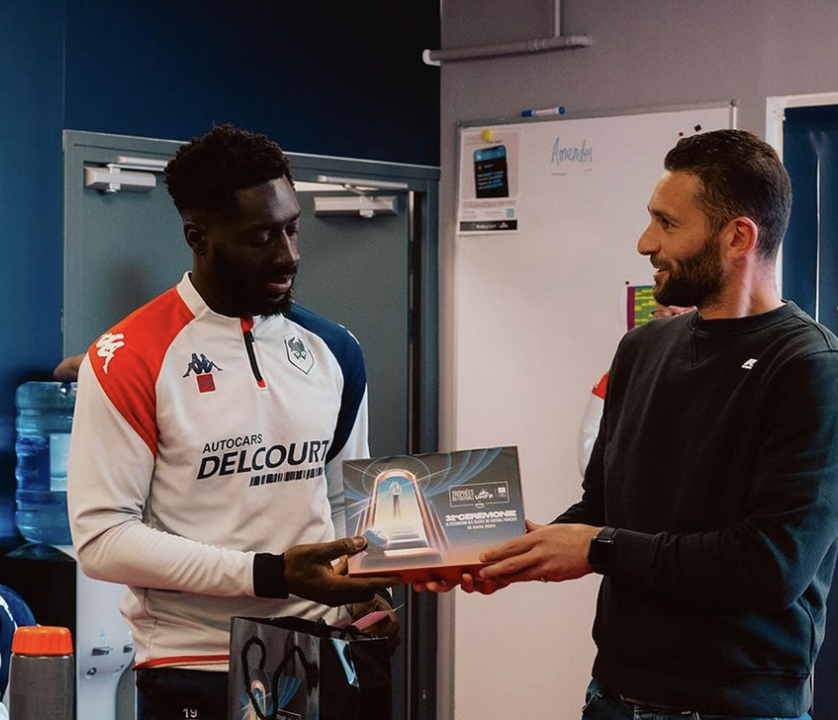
x: 579, y: 154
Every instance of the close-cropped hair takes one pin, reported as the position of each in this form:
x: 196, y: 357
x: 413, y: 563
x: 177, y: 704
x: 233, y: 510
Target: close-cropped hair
x: 740, y: 176
x: 206, y: 172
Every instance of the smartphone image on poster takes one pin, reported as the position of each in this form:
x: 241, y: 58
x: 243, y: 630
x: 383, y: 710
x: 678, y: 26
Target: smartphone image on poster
x: 490, y: 172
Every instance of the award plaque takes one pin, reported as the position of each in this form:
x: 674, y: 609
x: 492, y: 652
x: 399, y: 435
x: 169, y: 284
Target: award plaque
x: 429, y: 516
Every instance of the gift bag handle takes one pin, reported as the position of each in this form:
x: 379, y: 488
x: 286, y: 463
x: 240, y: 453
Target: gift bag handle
x: 289, y: 654
x: 246, y: 673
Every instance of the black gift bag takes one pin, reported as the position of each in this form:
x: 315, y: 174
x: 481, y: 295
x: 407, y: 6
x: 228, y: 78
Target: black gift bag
x: 289, y: 668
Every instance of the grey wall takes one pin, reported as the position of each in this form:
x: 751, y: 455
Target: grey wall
x: 645, y: 54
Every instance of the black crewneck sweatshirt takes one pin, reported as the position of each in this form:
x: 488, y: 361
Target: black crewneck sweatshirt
x: 717, y: 460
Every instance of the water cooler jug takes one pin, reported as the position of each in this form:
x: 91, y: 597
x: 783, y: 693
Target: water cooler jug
x: 44, y: 571
x: 42, y: 444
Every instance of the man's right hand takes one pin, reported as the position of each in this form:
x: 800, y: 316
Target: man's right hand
x: 309, y: 573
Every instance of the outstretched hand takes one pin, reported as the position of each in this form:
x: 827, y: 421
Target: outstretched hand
x: 310, y: 574
x: 550, y: 553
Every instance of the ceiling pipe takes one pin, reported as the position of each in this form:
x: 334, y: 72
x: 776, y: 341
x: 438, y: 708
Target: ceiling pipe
x: 520, y: 47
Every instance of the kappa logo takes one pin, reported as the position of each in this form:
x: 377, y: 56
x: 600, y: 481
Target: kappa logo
x: 749, y: 364
x: 107, y: 345
x: 299, y: 355
x: 201, y: 365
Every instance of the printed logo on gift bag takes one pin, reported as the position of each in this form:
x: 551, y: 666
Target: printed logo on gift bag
x: 258, y: 704
x: 256, y: 699
x: 265, y: 695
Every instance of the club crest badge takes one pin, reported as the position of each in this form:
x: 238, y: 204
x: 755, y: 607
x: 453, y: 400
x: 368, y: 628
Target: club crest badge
x: 299, y: 355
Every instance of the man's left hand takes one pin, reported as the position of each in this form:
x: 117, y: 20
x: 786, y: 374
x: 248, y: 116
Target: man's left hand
x: 388, y: 626
x: 550, y: 553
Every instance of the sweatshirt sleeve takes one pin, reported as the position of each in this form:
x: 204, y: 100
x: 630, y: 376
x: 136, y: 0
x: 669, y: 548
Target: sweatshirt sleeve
x: 590, y: 510
x: 111, y: 464
x: 774, y: 554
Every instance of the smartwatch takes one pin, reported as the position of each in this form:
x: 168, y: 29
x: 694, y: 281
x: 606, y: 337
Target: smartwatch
x: 601, y: 552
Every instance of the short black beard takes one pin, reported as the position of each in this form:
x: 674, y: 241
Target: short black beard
x: 698, y: 281
x: 284, y: 306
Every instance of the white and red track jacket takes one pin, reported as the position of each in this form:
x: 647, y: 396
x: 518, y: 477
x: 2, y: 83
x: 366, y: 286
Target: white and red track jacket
x: 589, y: 428
x: 198, y: 441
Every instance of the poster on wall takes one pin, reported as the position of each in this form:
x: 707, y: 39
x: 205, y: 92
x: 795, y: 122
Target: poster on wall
x: 640, y: 305
x: 488, y: 181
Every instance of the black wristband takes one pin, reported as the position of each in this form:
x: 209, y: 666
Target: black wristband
x: 269, y: 576
x: 601, y: 552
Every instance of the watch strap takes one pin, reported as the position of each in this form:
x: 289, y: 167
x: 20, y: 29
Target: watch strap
x: 601, y: 552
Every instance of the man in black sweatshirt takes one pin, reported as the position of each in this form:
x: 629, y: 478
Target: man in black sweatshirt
x: 718, y: 542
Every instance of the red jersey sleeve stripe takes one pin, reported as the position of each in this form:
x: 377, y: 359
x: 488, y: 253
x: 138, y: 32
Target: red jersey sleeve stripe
x: 127, y: 360
x: 177, y: 660
x: 601, y: 387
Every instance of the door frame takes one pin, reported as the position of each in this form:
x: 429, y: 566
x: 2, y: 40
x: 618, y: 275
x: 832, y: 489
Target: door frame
x: 774, y: 132
x: 775, y: 116
x: 422, y: 186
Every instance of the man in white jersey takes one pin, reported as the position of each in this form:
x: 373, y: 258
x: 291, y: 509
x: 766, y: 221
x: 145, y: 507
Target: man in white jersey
x: 210, y: 428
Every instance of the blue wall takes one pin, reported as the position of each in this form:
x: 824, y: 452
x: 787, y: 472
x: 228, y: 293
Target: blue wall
x: 318, y: 76
x: 31, y: 120
x: 324, y: 77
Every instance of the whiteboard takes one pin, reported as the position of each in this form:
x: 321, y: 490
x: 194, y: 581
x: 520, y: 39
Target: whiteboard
x: 538, y: 312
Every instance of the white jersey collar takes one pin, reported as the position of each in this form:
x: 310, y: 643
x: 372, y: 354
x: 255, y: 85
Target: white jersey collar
x: 198, y: 306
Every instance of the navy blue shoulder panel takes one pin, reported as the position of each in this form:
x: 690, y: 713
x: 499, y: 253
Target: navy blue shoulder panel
x: 348, y: 353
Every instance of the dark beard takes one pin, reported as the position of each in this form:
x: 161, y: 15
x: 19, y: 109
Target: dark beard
x: 234, y: 304
x: 284, y: 306
x: 697, y: 281
x: 239, y: 291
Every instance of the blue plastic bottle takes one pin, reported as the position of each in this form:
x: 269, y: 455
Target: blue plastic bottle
x: 44, y: 420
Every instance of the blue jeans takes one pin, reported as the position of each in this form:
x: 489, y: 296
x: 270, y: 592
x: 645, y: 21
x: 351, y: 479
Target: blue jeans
x: 602, y: 706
